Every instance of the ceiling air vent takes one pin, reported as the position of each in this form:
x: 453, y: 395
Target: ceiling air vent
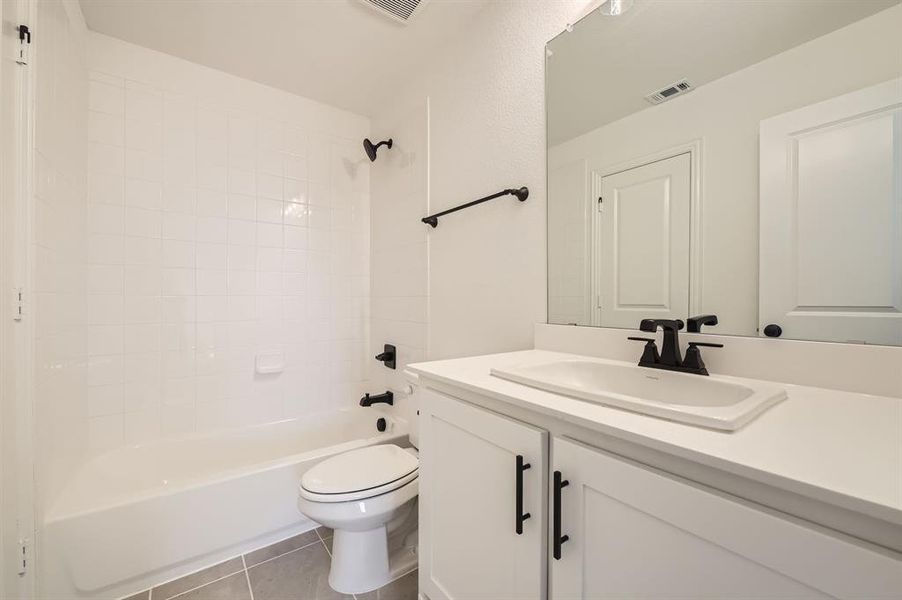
x: 671, y: 91
x: 399, y: 10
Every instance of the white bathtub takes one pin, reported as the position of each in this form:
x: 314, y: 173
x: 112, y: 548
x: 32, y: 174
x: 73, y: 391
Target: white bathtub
x: 141, y: 515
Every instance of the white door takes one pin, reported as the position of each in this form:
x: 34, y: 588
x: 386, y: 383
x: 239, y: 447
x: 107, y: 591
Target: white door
x: 471, y: 461
x: 831, y: 219
x: 636, y: 533
x: 642, y: 244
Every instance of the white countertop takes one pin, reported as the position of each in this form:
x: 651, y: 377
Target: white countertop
x: 837, y: 447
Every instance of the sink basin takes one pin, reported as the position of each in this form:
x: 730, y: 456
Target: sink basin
x: 725, y: 403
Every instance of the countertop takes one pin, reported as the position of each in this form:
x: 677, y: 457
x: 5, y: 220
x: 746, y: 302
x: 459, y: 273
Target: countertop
x: 838, y: 447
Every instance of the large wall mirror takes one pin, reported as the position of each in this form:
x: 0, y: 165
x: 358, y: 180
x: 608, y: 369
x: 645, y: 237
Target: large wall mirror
x: 737, y: 158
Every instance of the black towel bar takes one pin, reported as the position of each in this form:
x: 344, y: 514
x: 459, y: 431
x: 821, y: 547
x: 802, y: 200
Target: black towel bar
x: 521, y: 194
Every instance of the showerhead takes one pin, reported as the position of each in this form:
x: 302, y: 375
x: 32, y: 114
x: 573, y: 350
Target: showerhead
x: 371, y: 148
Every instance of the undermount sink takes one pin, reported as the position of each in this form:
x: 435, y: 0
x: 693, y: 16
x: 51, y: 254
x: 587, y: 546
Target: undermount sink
x: 718, y: 402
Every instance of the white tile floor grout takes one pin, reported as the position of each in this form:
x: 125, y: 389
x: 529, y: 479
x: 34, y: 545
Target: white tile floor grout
x: 206, y: 583
x: 247, y: 577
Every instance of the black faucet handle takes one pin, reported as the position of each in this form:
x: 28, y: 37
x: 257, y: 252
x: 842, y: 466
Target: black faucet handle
x: 650, y: 354
x: 693, y: 361
x: 387, y: 356
x: 695, y: 323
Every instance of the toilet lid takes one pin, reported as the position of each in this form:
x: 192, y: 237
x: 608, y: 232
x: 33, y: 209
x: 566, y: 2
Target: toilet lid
x: 359, y: 470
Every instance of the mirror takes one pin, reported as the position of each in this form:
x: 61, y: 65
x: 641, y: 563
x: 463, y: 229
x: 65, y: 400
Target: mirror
x: 734, y: 158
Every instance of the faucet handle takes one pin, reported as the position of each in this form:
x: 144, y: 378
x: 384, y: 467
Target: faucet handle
x: 650, y: 354
x: 693, y: 359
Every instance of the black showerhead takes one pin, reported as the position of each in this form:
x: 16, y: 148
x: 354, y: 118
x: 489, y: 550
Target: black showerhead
x: 371, y: 148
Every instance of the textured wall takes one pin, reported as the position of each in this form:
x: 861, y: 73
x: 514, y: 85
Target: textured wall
x: 487, y: 132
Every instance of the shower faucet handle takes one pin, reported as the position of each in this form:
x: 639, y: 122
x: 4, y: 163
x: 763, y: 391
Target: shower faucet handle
x: 387, y: 356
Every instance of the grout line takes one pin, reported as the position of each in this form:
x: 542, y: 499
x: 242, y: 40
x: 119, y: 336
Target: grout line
x: 247, y: 577
x: 205, y: 584
x: 262, y: 562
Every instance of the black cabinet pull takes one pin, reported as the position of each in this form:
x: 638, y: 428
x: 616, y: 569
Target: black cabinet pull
x: 559, y: 539
x: 521, y: 516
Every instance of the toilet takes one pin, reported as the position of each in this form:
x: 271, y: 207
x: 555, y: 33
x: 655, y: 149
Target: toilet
x: 368, y: 496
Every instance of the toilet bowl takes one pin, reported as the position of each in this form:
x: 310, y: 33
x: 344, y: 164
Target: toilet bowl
x: 364, y: 495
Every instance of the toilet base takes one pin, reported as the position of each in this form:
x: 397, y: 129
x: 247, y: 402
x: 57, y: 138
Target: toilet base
x: 361, y: 563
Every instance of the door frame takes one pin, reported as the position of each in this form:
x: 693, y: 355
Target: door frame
x: 696, y: 238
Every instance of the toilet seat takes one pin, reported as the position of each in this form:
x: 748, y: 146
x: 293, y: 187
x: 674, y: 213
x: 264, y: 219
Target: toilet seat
x: 359, y: 474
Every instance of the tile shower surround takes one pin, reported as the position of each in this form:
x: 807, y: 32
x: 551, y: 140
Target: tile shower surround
x: 215, y: 235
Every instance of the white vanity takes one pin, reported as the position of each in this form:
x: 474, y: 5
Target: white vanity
x: 526, y: 493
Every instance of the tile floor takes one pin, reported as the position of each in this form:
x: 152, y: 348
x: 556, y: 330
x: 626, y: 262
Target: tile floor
x: 293, y: 569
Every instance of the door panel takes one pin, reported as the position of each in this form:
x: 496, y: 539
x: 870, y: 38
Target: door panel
x: 643, y: 243
x: 468, y: 503
x: 831, y: 219
x: 634, y: 532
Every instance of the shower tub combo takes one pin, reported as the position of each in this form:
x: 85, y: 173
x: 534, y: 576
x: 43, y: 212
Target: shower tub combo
x: 141, y: 515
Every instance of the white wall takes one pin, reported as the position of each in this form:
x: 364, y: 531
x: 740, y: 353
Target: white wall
x: 226, y: 219
x: 487, y: 279
x: 400, y: 192
x: 58, y: 242
x: 724, y: 115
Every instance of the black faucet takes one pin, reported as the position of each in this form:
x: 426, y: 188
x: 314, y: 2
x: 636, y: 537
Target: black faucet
x: 694, y: 324
x: 670, y: 351
x: 387, y: 398
x: 670, y: 358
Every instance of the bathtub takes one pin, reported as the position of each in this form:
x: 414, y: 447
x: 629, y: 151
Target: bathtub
x: 142, y: 515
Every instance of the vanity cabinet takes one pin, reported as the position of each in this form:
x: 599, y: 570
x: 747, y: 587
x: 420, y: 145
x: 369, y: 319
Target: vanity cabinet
x: 482, y: 503
x: 613, y: 527
x: 633, y: 531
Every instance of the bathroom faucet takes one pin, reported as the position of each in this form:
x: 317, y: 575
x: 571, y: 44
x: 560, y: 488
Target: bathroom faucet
x: 387, y: 398
x: 670, y: 358
x: 670, y: 351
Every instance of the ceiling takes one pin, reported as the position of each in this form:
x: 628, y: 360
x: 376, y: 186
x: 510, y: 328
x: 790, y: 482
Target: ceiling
x: 335, y: 51
x: 602, y: 70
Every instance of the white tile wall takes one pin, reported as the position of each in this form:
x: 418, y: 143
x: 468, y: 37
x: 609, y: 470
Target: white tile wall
x: 220, y: 227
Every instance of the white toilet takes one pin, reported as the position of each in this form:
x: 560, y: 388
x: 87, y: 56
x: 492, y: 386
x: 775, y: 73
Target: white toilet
x: 365, y: 495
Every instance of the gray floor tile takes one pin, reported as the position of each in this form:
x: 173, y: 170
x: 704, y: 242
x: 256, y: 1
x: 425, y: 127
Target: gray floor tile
x: 145, y: 595
x: 230, y: 588
x: 173, y: 588
x: 405, y: 588
x: 328, y: 542
x: 280, y: 548
x: 324, y: 532
x: 299, y: 575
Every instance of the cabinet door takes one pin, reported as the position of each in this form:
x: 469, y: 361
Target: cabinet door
x: 634, y: 532
x: 469, y: 545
